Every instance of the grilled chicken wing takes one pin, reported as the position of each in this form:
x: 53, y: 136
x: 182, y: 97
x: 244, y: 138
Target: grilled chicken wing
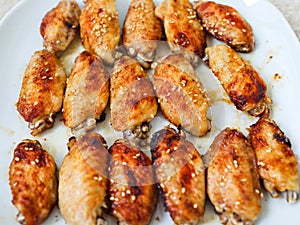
x: 87, y: 92
x: 42, y: 91
x: 99, y: 28
x: 232, y: 178
x: 180, y: 175
x: 132, y: 101
x: 59, y: 26
x: 33, y: 182
x: 181, y: 95
x: 141, y: 30
x: 83, y: 180
x: 246, y: 89
x: 183, y: 30
x: 132, y: 192
x: 226, y: 24
x: 276, y: 161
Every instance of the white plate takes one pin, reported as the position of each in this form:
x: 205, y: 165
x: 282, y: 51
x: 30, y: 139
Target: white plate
x: 276, y: 52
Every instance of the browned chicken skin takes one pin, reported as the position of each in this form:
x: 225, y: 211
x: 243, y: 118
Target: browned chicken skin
x: 183, y: 30
x: 245, y: 87
x: 87, y: 92
x: 181, y: 95
x: 232, y: 178
x: 42, y: 91
x: 276, y: 161
x: 180, y: 175
x: 99, y: 28
x: 59, y: 26
x: 33, y: 182
x: 226, y: 24
x: 83, y: 180
x: 132, y: 101
x: 141, y: 30
x: 132, y: 191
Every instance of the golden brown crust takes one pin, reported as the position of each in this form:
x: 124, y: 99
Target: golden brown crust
x: 59, y: 26
x: 87, y: 90
x: 232, y: 178
x: 245, y: 87
x: 226, y: 24
x: 132, y: 99
x: 42, y: 91
x: 181, y: 95
x: 33, y: 182
x: 276, y: 161
x: 132, y: 192
x: 183, y: 30
x: 180, y: 175
x: 99, y: 28
x: 141, y: 30
x: 83, y: 180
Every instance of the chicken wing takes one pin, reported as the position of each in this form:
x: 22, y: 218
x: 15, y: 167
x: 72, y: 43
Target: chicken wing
x: 180, y: 175
x: 59, y: 26
x: 141, y: 30
x: 133, y: 102
x: 183, y: 30
x: 226, y: 24
x: 33, y: 182
x: 181, y: 95
x: 276, y: 161
x: 87, y: 92
x: 132, y: 191
x: 99, y: 28
x: 232, y: 178
x: 245, y: 87
x: 83, y: 180
x: 42, y: 91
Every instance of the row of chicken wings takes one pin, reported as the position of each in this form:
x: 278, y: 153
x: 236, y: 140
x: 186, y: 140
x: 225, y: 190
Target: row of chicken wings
x: 121, y: 180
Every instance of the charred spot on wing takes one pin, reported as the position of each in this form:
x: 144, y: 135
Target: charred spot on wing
x: 283, y: 139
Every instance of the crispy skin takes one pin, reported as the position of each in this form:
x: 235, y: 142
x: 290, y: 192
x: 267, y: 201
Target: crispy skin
x: 83, y: 180
x: 33, y: 182
x: 276, y: 161
x: 132, y: 192
x: 141, y: 30
x: 181, y: 95
x: 183, y: 30
x: 226, y: 24
x: 232, y: 178
x: 246, y: 89
x: 180, y: 175
x: 42, y: 91
x: 59, y: 26
x: 99, y: 28
x: 87, y: 91
x: 132, y: 99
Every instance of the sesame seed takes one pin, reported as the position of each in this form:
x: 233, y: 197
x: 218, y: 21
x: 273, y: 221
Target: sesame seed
x: 124, y: 163
x: 128, y: 192
x: 195, y: 206
x: 261, y: 164
x: 17, y: 159
x: 257, y: 191
x: 243, y: 180
x: 193, y: 174
x: 37, y: 160
x: 222, y: 184
x: 268, y: 150
x: 183, y: 190
x: 111, y: 198
x: 237, y: 203
x: 133, y: 197
x: 123, y: 194
x: 32, y: 162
